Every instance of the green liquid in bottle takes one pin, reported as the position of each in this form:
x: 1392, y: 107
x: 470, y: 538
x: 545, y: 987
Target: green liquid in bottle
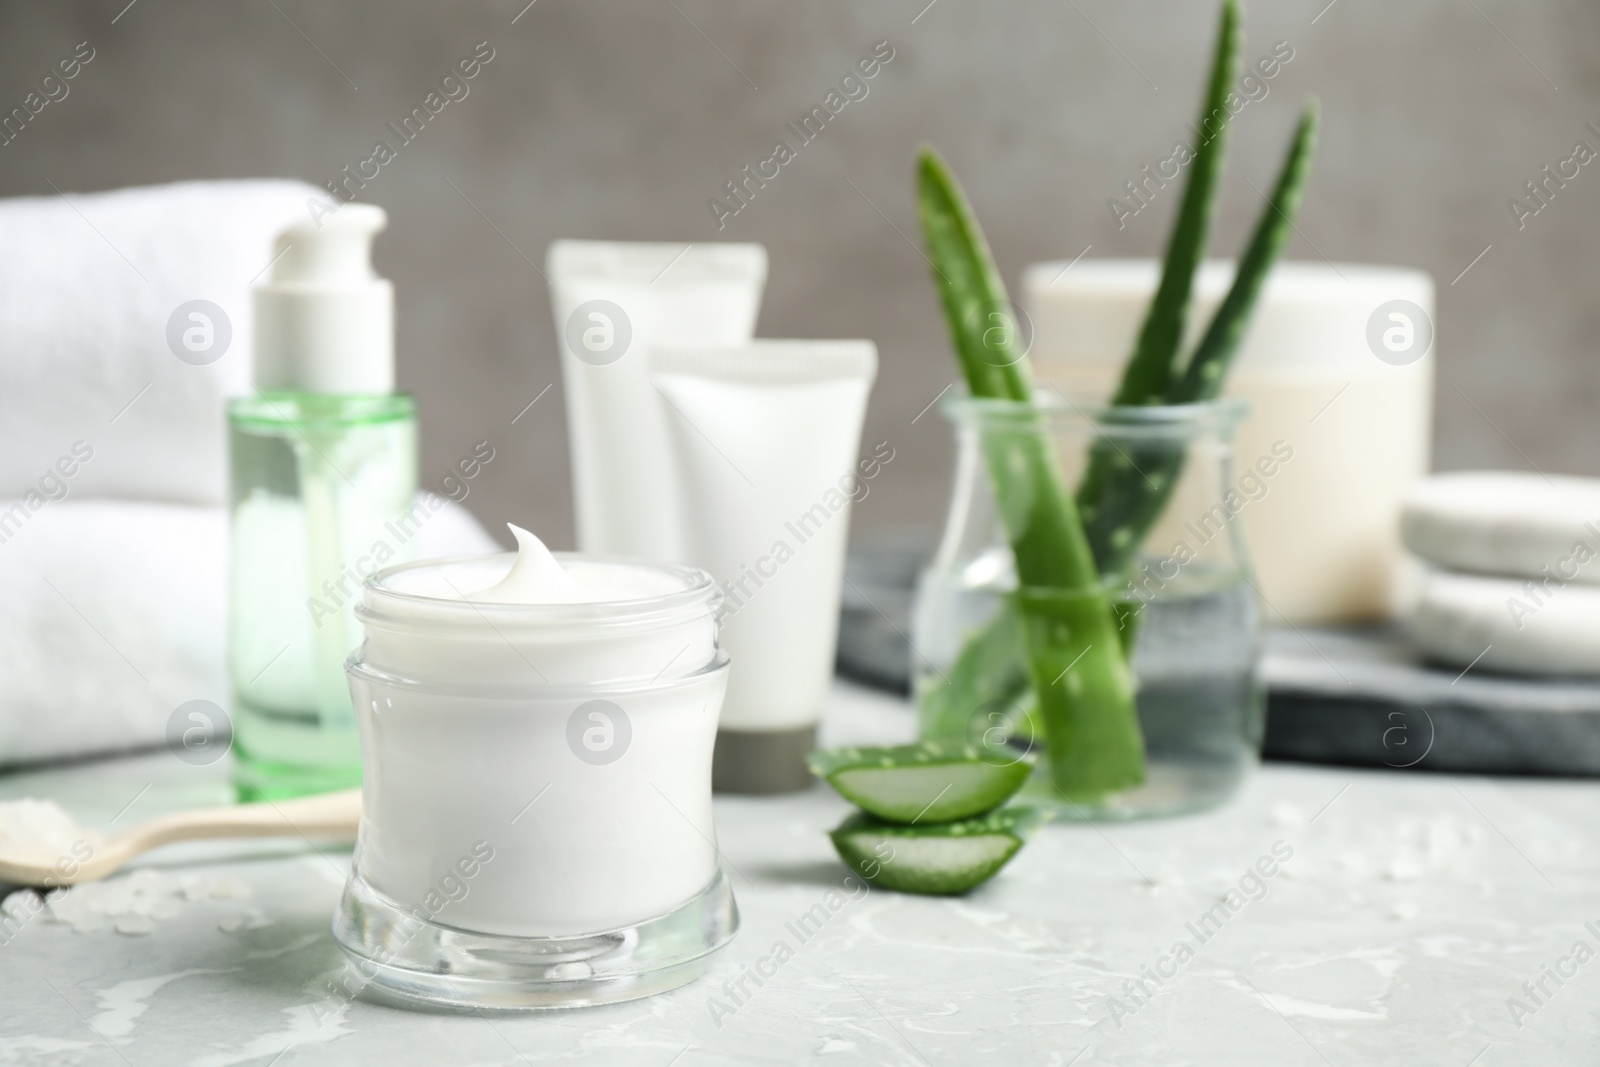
x: 323, y: 490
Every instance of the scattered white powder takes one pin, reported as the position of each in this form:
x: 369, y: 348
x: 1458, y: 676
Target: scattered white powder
x: 254, y: 919
x: 1426, y: 846
x: 1300, y: 869
x: 1352, y: 860
x: 22, y: 905
x: 135, y: 925
x: 134, y: 903
x: 1406, y: 867
x: 1168, y: 881
x: 41, y: 832
x: 1286, y: 814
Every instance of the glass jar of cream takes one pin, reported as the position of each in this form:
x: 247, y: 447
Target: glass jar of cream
x: 536, y: 742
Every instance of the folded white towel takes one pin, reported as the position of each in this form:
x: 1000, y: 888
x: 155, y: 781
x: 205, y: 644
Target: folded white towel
x: 115, y: 613
x: 89, y: 286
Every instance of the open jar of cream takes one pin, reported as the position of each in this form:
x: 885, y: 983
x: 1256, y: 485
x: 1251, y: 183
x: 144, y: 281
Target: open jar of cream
x: 536, y: 738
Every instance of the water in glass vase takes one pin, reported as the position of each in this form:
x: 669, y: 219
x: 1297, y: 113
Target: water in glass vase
x: 1156, y: 488
x: 1194, y: 659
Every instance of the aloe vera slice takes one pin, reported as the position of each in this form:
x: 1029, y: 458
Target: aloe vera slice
x: 938, y: 858
x: 929, y: 782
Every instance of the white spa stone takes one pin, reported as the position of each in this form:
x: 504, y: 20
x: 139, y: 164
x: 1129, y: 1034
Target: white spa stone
x: 1506, y: 523
x: 1514, y: 625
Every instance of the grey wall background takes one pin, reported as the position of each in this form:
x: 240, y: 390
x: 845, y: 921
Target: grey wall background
x: 620, y: 118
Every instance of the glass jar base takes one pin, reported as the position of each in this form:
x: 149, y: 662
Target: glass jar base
x: 408, y: 962
x: 1171, y: 787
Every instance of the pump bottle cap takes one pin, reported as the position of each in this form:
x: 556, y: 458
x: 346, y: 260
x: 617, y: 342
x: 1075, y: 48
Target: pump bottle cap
x: 324, y: 322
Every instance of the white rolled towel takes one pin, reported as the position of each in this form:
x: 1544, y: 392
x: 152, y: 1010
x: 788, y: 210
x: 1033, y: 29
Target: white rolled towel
x: 89, y: 285
x: 116, y: 613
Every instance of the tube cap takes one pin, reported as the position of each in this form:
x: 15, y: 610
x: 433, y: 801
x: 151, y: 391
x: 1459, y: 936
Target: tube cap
x: 763, y: 762
x: 324, y: 322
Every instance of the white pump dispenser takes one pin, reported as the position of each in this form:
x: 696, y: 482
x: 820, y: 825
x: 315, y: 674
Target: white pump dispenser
x: 324, y: 322
x: 323, y: 474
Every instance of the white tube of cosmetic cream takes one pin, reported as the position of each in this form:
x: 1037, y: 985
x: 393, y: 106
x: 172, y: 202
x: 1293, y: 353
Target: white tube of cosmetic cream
x: 765, y: 439
x: 614, y: 302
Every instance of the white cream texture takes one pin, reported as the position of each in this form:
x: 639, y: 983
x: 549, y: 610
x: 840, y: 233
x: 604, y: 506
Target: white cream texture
x: 536, y: 577
x: 481, y: 755
x: 536, y: 624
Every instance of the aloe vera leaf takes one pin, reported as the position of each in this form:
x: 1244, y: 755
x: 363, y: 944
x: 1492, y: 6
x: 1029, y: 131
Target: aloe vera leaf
x: 983, y: 663
x: 1076, y: 664
x: 1047, y: 538
x: 1203, y: 378
x: 1129, y: 506
x: 1079, y: 673
x: 1093, y: 748
x: 1126, y: 612
x: 1153, y: 364
x: 982, y: 693
x: 991, y: 672
x: 1154, y: 357
x: 1147, y: 374
x: 981, y: 320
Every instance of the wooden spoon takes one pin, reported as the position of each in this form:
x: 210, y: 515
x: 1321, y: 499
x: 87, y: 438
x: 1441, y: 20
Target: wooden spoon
x: 328, y: 816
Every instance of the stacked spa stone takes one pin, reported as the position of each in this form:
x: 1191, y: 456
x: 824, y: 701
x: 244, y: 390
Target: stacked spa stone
x: 1514, y: 571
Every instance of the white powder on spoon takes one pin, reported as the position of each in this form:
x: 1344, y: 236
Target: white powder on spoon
x: 41, y: 832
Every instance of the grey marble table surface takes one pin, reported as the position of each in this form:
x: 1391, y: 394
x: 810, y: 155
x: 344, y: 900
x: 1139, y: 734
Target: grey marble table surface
x: 1410, y: 912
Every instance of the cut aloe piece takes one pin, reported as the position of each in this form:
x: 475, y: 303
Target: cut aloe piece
x: 931, y: 781
x: 937, y: 858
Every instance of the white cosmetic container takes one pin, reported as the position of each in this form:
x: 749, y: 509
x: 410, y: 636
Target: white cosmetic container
x: 1334, y: 383
x: 614, y: 302
x: 765, y: 437
x: 536, y: 824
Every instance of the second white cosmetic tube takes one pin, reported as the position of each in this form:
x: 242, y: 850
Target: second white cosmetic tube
x: 614, y: 303
x: 765, y: 438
